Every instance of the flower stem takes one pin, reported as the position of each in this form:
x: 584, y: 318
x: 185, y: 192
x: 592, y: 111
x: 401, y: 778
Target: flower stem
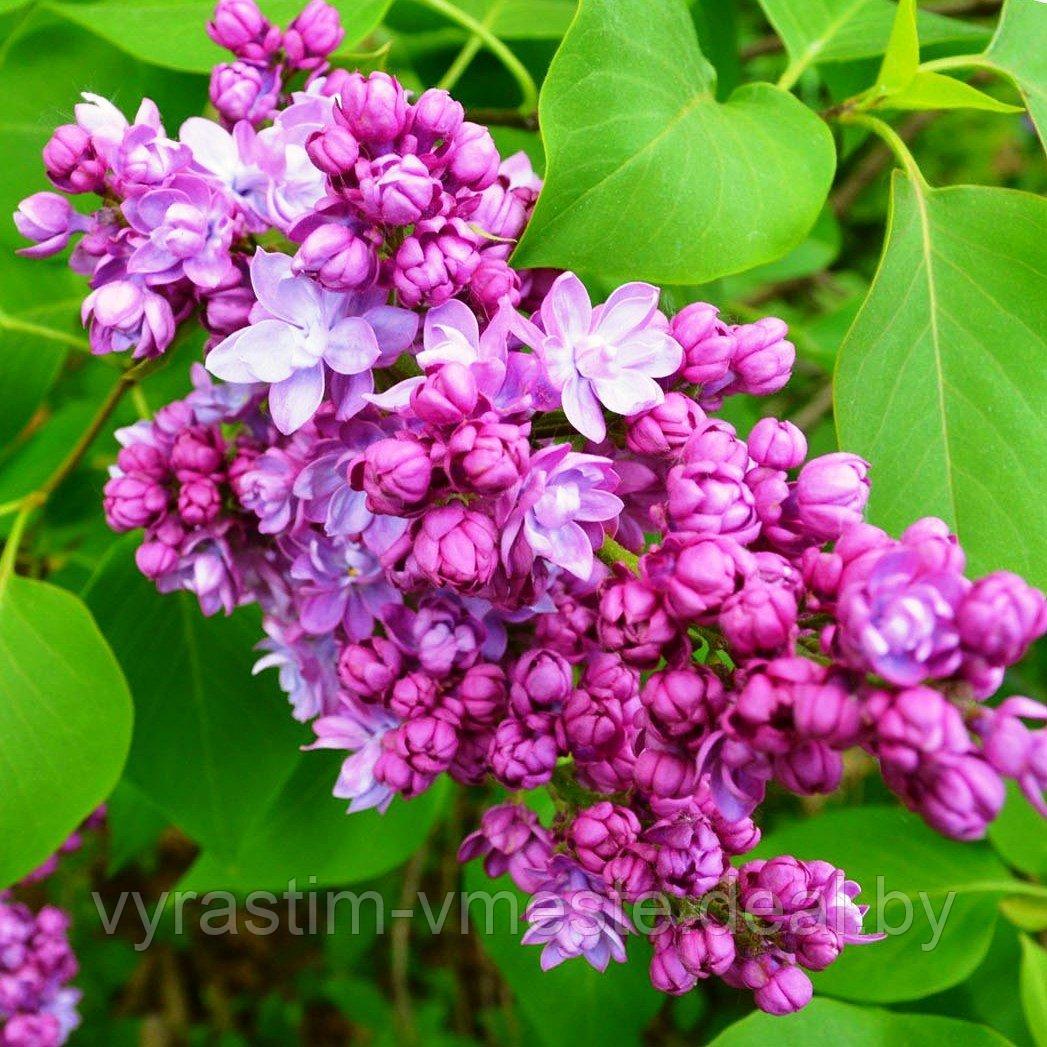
x: 611, y: 552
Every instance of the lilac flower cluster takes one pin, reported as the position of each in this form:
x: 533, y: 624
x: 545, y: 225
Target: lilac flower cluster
x: 494, y: 531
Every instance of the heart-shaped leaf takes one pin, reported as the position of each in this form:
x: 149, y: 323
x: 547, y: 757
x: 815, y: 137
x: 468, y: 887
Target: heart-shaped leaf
x: 649, y: 176
x: 941, y: 382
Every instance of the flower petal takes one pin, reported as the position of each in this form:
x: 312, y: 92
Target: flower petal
x: 582, y: 410
x: 570, y: 313
x: 628, y: 308
x: 294, y: 401
x: 629, y: 393
x: 351, y: 346
x: 653, y: 352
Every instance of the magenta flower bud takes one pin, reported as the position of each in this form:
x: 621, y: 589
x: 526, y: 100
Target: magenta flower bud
x: 958, y: 795
x: 228, y: 311
x: 156, y: 558
x: 122, y: 315
x: 448, y: 396
x: 313, y: 36
x: 705, y: 948
x: 697, y: 573
x: 199, y: 501
x: 33, y: 1030
x: 523, y: 754
x: 474, y: 157
x: 197, y: 451
x: 143, y: 459
x: 414, y: 695
x: 396, y: 475
x: 763, y: 359
x: 333, y: 150
x: 593, y: 730
x: 456, y: 547
x: 760, y: 619
x: 240, y: 27
x: 666, y: 773
x: 815, y: 946
x: 684, y: 702
x: 935, y: 544
x: 539, y: 682
x: 435, y: 262
x: 370, y: 668
x: 778, y: 886
x: 437, y: 118
x: 668, y: 973
x: 829, y: 711
x: 49, y: 220
x: 493, y: 282
x: 710, y: 499
x: 243, y: 91
x: 132, y: 502
x: 599, y: 833
x: 71, y: 161
x: 607, y: 678
x: 663, y: 430
x: 398, y: 191
x: 777, y: 989
x: 1012, y: 749
x: 414, y: 753
x: 630, y: 873
x: 708, y: 346
x: 373, y: 108
x: 335, y: 256
x: 916, y: 723
x: 762, y: 714
x: 831, y: 494
x: 482, y: 693
x: 487, y: 456
x: 717, y: 443
x: 690, y: 860
x: 1000, y: 617
x: 511, y: 839
x: 777, y: 444
x: 634, y: 623
x: 809, y: 767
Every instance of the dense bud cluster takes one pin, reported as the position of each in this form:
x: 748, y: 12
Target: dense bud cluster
x: 494, y: 531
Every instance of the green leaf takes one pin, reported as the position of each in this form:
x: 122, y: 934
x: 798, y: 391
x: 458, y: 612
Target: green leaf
x: 941, y: 383
x: 306, y: 835
x: 171, y: 33
x: 1027, y: 912
x: 65, y: 721
x: 910, y: 876
x: 134, y: 825
x: 648, y: 175
x: 1018, y: 836
x: 212, y: 745
x: 826, y: 1021
x: 902, y: 57
x: 838, y: 30
x: 1033, y: 980
x: 930, y: 90
x: 1019, y: 49
x: 572, y: 1005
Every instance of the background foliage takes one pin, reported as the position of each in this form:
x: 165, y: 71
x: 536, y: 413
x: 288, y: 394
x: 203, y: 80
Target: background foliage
x: 735, y: 151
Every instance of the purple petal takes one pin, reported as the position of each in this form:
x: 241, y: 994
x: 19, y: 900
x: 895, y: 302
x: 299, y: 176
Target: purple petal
x: 628, y: 308
x: 570, y: 310
x: 628, y: 393
x: 582, y: 410
x: 653, y: 352
x: 351, y: 346
x: 294, y: 401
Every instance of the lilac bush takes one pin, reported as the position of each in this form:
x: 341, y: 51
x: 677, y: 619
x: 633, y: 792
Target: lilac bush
x: 496, y: 531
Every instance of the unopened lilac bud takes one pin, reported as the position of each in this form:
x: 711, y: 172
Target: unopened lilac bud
x: 777, y: 444
x: 1000, y: 617
x: 313, y: 35
x: 474, y: 157
x: 593, y: 730
x: 240, y: 27
x: 690, y: 860
x: 959, y: 795
x: 760, y: 619
x: 780, y: 990
x: 685, y: 701
x: 373, y: 108
x: 763, y: 359
x: 456, y: 547
x: 437, y: 118
x: 482, y: 692
x: 935, y: 544
x: 599, y: 833
x: 242, y: 91
x: 487, y: 456
x: 414, y: 753
x: 447, y: 396
x: 668, y: 973
x: 708, y: 345
x: 712, y: 499
x: 156, y: 558
x: 197, y: 451
x: 663, y: 430
x: 829, y: 711
x: 435, y: 262
x: 706, y: 948
x: 122, y: 315
x: 333, y: 150
x: 831, y: 493
x: 395, y: 473
x: 809, y: 767
x: 666, y: 773
x: 815, y: 946
x: 132, y: 502
x: 398, y: 191
x: 717, y: 442
x: 607, y: 678
x: 540, y: 682
x: 199, y: 501
x: 634, y: 623
x: 1013, y: 749
x: 630, y: 873
x: 494, y: 281
x: 413, y: 695
x: 336, y: 257
x: 71, y: 161
x: 49, y: 220
x: 523, y: 755
x: 369, y: 669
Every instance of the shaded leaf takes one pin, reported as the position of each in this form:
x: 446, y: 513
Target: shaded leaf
x: 1033, y: 980
x: 941, y: 383
x: 1018, y: 836
x: 1019, y: 49
x: 648, y: 175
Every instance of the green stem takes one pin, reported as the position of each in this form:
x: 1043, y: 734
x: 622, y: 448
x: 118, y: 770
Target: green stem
x: 14, y: 539
x: 892, y: 139
x: 468, y: 51
x: 940, y: 65
x: 12, y: 323
x: 612, y: 552
x: 524, y: 80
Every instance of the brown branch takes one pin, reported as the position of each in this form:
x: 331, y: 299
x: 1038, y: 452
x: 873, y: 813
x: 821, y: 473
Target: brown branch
x: 400, y: 952
x: 765, y: 45
x: 815, y: 409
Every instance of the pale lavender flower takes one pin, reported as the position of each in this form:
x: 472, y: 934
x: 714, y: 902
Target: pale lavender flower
x: 610, y: 355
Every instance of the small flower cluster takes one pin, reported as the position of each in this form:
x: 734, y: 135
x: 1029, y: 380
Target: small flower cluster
x: 495, y: 532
